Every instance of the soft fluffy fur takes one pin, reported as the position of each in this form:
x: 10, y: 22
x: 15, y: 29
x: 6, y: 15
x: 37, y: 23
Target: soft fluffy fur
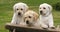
x: 19, y: 10
x: 46, y: 18
x: 30, y: 18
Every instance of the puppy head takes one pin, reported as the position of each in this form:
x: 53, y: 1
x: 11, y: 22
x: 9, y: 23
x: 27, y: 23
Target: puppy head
x: 30, y: 17
x: 45, y: 9
x: 20, y: 8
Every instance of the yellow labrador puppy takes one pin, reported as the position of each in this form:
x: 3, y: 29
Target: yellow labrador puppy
x: 30, y: 18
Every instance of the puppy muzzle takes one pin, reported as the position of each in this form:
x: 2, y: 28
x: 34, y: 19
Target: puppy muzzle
x: 27, y: 22
x: 41, y: 12
x: 19, y: 13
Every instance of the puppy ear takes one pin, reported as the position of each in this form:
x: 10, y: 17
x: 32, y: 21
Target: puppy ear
x: 50, y: 7
x: 14, y: 8
x: 26, y: 8
x: 35, y: 16
x: 24, y: 18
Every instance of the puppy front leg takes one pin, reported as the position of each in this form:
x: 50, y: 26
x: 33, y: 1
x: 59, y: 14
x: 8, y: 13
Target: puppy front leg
x: 51, y: 24
x: 44, y: 26
x: 14, y: 19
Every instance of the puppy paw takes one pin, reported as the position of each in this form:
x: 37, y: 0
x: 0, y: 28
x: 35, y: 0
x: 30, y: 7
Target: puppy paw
x: 52, y: 27
x: 44, y: 28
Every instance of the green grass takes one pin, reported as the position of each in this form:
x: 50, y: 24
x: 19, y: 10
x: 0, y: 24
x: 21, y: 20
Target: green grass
x: 6, y: 10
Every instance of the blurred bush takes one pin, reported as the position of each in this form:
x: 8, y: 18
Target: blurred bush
x: 56, y: 6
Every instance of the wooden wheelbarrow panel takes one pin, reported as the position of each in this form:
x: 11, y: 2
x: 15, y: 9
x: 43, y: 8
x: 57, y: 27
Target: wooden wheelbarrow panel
x: 17, y: 28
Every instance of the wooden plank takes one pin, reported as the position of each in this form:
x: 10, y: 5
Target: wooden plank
x: 20, y: 28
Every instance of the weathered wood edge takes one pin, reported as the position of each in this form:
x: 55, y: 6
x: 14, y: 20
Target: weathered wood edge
x: 10, y: 26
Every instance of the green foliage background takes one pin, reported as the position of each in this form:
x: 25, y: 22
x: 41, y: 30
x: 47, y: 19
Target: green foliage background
x: 6, y: 10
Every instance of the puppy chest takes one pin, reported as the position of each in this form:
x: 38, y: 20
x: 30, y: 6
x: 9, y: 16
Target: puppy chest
x: 19, y: 19
x: 45, y: 19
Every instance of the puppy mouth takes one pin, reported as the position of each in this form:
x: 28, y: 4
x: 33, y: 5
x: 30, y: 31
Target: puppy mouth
x: 19, y: 14
x: 41, y: 12
x: 27, y: 22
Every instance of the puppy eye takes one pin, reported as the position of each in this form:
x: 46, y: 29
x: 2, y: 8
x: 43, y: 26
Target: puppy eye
x: 29, y: 16
x: 17, y: 9
x: 44, y: 8
x: 21, y: 9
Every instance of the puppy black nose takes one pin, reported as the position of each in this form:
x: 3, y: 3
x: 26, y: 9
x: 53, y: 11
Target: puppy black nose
x: 27, y: 22
x: 41, y: 12
x: 19, y: 13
